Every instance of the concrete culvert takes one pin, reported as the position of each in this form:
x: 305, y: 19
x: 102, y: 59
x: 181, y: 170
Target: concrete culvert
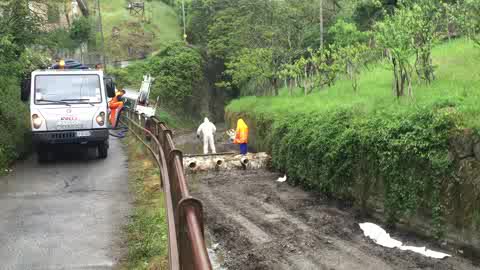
x: 244, y: 160
x: 219, y: 162
x: 192, y: 165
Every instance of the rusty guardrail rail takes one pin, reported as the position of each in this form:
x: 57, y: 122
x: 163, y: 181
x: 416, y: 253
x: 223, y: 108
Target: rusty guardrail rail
x: 187, y: 248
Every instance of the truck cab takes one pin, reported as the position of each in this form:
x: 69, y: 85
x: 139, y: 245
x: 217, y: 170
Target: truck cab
x: 68, y: 106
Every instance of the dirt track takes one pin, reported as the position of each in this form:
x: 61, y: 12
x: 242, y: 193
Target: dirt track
x: 262, y: 224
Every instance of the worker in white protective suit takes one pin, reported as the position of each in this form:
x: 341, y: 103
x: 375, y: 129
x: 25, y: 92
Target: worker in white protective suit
x: 207, y: 129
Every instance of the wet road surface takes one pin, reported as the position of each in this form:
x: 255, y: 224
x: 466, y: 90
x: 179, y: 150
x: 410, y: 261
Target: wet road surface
x: 66, y: 214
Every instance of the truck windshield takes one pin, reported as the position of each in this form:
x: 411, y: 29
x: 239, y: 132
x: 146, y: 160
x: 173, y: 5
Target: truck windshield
x: 67, y: 89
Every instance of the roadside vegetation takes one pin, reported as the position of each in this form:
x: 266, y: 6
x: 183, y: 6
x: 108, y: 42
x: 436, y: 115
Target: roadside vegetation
x: 130, y: 36
x: 178, y: 72
x: 147, y: 232
x: 19, y: 30
x: 370, y: 115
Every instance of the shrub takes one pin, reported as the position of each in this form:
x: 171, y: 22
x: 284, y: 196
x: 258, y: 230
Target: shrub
x: 335, y: 152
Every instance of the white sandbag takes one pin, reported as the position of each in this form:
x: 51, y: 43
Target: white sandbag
x: 381, y: 237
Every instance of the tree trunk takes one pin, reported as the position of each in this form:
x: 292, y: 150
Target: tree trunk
x: 67, y: 17
x: 275, y: 86
x: 305, y: 90
x: 83, y: 7
x: 396, y: 76
x: 321, y: 24
x: 409, y: 81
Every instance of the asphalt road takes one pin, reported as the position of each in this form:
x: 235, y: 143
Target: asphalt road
x: 66, y: 214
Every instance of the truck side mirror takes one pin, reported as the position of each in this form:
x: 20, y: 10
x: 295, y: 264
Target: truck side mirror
x: 25, y: 89
x: 109, y: 87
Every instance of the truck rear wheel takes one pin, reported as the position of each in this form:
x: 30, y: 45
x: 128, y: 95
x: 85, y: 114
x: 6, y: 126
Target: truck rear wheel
x: 103, y: 150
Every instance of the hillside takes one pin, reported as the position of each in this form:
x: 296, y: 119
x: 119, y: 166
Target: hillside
x: 413, y: 157
x: 458, y: 82
x: 150, y: 35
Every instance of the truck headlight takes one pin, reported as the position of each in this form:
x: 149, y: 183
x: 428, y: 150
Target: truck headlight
x: 101, y: 119
x: 37, y: 121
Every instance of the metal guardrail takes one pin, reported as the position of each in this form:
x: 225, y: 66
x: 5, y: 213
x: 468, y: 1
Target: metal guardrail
x: 187, y: 248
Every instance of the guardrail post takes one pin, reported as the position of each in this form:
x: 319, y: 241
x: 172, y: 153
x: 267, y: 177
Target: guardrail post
x: 190, y: 210
x: 187, y: 248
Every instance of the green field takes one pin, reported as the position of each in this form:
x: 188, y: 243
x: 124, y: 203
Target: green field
x: 458, y: 82
x: 161, y: 20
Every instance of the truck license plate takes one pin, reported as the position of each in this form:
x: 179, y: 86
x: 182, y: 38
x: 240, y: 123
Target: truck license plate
x: 83, y: 133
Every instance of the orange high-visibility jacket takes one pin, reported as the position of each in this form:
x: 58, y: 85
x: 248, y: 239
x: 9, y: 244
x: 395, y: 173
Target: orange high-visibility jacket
x: 115, y: 105
x: 241, y: 136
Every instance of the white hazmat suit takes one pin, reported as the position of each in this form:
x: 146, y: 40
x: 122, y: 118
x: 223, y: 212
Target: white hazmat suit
x: 207, y: 129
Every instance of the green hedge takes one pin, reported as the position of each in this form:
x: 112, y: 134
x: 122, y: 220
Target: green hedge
x: 401, y: 157
x: 13, y: 123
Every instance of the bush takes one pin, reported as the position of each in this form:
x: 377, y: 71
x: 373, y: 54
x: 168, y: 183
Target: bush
x: 178, y: 71
x: 13, y: 124
x: 348, y: 155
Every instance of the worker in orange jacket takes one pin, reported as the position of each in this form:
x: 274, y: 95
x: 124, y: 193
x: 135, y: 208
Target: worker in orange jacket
x: 116, y: 105
x: 241, y: 136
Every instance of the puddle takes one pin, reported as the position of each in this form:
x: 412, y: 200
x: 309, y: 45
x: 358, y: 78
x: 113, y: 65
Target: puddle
x: 215, y: 253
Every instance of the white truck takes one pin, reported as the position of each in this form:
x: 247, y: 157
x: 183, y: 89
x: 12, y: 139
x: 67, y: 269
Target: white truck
x: 68, y: 106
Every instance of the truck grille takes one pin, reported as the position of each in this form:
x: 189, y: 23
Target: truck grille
x: 63, y: 135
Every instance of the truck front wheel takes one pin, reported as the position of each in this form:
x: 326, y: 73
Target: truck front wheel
x: 103, y: 150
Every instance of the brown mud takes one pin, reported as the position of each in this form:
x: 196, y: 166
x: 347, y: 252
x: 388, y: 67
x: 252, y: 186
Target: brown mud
x: 260, y: 224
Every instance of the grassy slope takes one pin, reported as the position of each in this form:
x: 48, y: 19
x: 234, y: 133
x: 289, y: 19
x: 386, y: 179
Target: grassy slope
x: 147, y: 232
x: 458, y: 80
x: 164, y: 22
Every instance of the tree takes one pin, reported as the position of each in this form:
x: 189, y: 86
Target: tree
x: 254, y: 65
x: 345, y: 34
x: 290, y: 73
x: 178, y: 72
x: 465, y: 15
x: 352, y: 58
x: 81, y: 30
x: 427, y: 19
x: 395, y: 36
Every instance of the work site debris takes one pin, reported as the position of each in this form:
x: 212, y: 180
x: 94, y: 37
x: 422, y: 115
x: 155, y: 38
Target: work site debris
x: 203, y: 163
x: 382, y: 238
x: 282, y: 179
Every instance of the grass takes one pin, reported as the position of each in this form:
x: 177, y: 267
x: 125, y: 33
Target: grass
x: 458, y: 82
x: 147, y: 231
x: 174, y: 121
x: 163, y: 21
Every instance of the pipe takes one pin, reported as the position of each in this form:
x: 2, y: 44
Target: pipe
x: 192, y: 165
x: 244, y: 160
x: 219, y: 162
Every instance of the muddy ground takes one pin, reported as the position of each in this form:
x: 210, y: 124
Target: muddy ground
x: 259, y: 223
x: 262, y: 224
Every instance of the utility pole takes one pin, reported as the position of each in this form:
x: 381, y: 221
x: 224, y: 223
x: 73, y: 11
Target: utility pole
x: 100, y: 28
x: 184, y: 27
x: 321, y: 24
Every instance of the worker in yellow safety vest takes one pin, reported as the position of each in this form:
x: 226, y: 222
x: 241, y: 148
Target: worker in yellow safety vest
x: 241, y: 136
